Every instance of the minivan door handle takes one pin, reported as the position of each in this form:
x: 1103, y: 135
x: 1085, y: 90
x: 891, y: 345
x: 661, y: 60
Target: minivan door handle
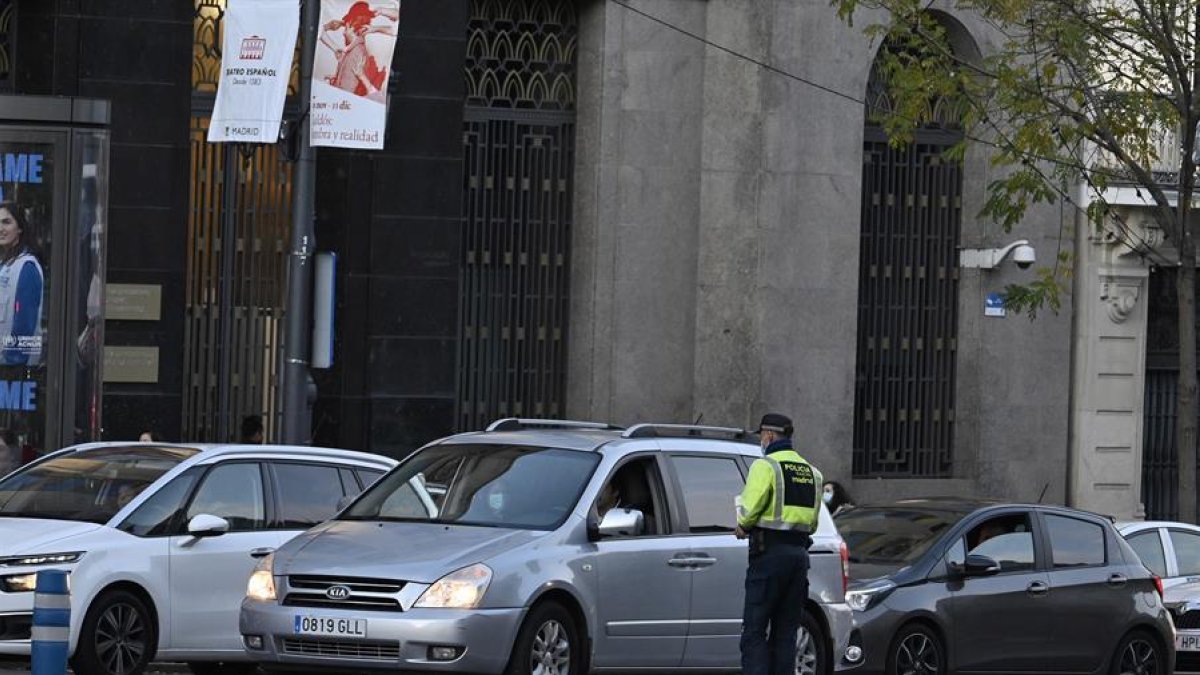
x: 1037, y: 588
x: 1116, y: 581
x: 261, y: 552
x: 692, y: 560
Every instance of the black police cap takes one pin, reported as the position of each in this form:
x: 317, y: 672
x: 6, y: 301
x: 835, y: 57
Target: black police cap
x: 780, y: 424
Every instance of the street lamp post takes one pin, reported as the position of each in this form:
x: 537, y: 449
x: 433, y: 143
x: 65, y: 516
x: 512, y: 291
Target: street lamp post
x: 297, y: 331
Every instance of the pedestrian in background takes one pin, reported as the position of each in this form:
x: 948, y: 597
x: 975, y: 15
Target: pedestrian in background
x: 252, y: 430
x: 778, y: 523
x: 837, y: 499
x: 148, y: 437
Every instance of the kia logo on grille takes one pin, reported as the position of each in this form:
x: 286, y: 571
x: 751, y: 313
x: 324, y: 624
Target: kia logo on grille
x: 337, y: 593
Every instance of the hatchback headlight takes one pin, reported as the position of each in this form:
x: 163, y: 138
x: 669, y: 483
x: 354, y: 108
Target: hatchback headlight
x: 458, y: 590
x: 863, y: 598
x: 261, y: 586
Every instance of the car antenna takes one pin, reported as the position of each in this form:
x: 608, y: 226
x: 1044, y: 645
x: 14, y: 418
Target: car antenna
x: 698, y: 418
x: 1044, y: 488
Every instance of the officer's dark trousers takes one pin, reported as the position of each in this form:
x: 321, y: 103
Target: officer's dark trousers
x: 776, y: 588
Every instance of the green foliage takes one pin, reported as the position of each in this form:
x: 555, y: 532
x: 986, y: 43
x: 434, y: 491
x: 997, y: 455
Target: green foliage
x: 1099, y: 92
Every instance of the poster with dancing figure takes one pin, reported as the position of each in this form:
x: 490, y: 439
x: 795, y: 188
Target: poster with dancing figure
x: 350, y: 73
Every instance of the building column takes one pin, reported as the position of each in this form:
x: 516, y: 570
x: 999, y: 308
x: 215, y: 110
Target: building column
x: 1109, y: 365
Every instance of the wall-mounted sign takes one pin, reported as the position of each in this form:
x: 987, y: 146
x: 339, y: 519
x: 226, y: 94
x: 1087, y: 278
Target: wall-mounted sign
x: 350, y: 73
x: 133, y: 302
x: 993, y: 305
x: 256, y: 64
x: 130, y: 364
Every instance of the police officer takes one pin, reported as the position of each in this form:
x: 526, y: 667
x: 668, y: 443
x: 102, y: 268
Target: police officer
x: 777, y: 511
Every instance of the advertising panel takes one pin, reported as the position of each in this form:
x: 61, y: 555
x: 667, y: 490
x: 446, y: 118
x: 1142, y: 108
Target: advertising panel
x: 350, y: 73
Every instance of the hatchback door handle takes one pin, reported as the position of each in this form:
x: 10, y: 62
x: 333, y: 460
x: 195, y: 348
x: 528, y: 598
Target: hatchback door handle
x: 261, y: 552
x: 1116, y: 580
x: 1037, y: 588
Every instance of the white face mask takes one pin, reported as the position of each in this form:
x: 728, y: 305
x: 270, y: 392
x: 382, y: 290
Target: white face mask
x: 827, y: 497
x: 496, y: 501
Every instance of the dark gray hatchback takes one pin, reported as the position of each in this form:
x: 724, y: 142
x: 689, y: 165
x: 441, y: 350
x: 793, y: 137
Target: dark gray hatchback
x: 946, y: 586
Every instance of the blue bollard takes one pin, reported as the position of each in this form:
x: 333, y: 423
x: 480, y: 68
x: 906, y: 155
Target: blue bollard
x: 51, y: 623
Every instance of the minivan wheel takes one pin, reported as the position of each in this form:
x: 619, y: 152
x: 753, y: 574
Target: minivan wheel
x: 118, y: 636
x: 812, y: 649
x: 917, y: 651
x: 548, y: 643
x: 1138, y: 654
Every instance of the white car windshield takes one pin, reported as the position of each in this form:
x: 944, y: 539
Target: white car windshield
x: 507, y: 486
x: 90, y: 486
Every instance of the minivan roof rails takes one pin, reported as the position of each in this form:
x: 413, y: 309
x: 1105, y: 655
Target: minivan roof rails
x: 685, y: 431
x: 518, y: 423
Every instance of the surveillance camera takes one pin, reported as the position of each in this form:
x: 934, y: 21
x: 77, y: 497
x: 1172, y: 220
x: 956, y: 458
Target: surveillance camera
x: 1024, y: 256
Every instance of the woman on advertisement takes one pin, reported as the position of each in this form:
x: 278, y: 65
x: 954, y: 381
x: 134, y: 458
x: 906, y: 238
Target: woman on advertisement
x: 21, y: 283
x: 357, y: 70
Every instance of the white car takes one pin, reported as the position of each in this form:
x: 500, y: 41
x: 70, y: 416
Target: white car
x: 160, y: 540
x: 1172, y: 552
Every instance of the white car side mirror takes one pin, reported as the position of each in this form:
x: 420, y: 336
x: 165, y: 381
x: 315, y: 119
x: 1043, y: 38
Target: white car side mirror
x: 205, y: 525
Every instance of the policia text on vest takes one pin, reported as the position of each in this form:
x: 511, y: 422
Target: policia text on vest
x: 777, y: 510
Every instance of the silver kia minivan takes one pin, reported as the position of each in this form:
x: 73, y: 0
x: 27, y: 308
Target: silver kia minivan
x: 538, y: 547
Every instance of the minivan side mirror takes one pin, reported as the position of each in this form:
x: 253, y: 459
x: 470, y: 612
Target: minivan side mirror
x: 205, y: 525
x: 621, y: 522
x: 976, y: 566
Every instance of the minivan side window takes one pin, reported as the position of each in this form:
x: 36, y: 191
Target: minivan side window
x: 1074, y: 542
x: 234, y: 492
x: 307, y: 494
x: 156, y: 516
x: 709, y: 485
x: 368, y: 477
x: 1148, y: 547
x: 1187, y: 552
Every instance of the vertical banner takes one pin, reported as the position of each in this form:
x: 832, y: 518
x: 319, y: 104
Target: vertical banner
x: 350, y: 73
x: 27, y: 201
x: 256, y: 64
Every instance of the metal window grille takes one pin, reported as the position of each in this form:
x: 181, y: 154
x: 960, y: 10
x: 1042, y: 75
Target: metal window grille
x: 518, y: 145
x: 907, y: 308
x: 1160, y: 487
x: 8, y: 30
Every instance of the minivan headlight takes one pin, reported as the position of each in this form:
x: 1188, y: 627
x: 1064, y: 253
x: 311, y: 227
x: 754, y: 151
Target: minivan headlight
x: 261, y: 586
x: 19, y: 583
x: 462, y: 589
x: 42, y: 559
x: 863, y: 598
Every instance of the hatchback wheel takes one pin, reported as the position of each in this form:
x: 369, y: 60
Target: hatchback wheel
x: 548, y: 643
x: 118, y: 636
x: 1138, y: 654
x: 812, y: 649
x: 917, y: 651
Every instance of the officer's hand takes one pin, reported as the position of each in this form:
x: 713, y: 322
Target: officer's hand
x: 739, y: 532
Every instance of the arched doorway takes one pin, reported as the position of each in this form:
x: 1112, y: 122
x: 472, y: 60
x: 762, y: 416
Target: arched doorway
x: 904, y: 404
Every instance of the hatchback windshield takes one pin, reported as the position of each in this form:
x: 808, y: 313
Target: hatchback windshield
x: 884, y: 540
x: 89, y: 486
x: 489, y: 485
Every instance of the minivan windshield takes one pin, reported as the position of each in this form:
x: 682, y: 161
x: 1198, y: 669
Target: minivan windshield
x: 90, y: 486
x: 886, y: 539
x: 519, y: 487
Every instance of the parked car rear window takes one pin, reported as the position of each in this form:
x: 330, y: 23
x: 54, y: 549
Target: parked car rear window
x: 1074, y: 542
x: 1149, y: 548
x: 517, y: 487
x: 91, y: 486
x: 884, y: 539
x: 1187, y: 552
x: 308, y: 494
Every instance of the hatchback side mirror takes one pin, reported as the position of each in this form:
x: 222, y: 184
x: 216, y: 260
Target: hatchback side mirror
x: 205, y: 525
x: 976, y: 566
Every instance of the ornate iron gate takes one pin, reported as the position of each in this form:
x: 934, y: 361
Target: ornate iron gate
x: 1160, y: 461
x: 238, y: 231
x: 518, y: 145
x: 907, y: 308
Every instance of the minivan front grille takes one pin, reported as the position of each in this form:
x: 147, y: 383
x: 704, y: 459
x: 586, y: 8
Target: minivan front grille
x: 343, y: 649
x: 370, y: 594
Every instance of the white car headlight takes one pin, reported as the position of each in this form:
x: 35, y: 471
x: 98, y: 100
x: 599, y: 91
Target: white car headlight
x: 861, y: 599
x: 42, y: 559
x: 458, y: 590
x: 261, y: 586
